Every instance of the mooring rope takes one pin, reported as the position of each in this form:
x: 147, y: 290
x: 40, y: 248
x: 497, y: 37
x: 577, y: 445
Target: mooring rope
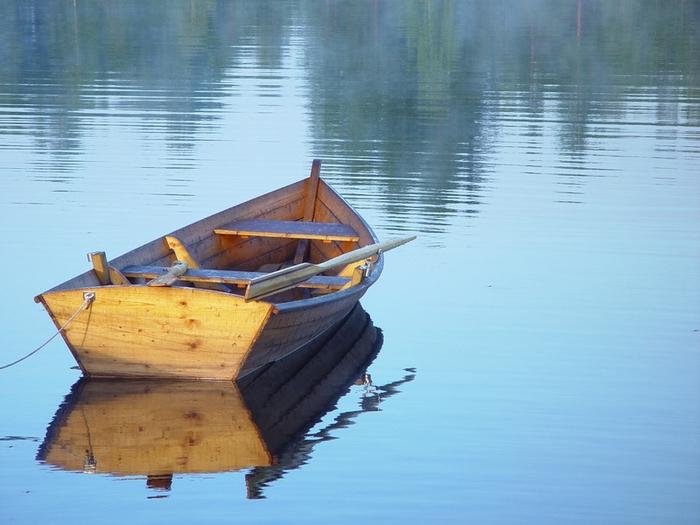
x: 87, y: 300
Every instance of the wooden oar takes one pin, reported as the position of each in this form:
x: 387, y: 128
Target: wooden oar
x: 287, y: 278
x: 172, y: 275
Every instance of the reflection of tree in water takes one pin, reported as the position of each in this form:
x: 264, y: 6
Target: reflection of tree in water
x: 387, y: 106
x: 161, y: 64
x: 404, y: 94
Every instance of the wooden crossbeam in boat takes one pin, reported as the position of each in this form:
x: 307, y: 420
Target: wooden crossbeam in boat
x: 229, y: 277
x: 324, y: 231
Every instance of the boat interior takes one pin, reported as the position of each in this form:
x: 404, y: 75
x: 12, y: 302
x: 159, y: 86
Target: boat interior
x: 305, y: 222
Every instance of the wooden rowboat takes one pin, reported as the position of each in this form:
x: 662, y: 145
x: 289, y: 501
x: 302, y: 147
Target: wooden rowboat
x: 225, y: 295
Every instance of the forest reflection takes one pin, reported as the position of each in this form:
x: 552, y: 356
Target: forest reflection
x: 408, y: 97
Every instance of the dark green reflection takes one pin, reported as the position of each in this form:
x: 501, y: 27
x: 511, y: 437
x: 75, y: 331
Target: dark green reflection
x: 411, y: 95
x: 73, y: 64
x: 405, y: 96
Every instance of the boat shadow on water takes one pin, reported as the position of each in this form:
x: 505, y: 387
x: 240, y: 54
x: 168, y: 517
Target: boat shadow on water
x: 158, y: 428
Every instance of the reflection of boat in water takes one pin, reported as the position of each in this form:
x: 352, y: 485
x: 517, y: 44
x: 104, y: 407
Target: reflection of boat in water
x: 298, y: 451
x: 158, y: 428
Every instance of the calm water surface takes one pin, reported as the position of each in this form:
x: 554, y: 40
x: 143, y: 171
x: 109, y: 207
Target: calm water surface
x: 541, y: 337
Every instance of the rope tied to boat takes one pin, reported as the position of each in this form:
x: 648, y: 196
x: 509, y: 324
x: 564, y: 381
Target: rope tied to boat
x: 88, y: 298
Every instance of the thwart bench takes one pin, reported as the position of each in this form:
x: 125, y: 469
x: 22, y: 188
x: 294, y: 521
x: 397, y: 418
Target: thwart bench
x: 304, y: 231
x: 229, y: 277
x: 323, y: 231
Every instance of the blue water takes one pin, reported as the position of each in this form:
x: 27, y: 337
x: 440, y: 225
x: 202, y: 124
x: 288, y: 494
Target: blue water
x: 547, y: 154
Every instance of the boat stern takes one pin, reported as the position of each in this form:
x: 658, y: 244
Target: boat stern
x: 141, y: 331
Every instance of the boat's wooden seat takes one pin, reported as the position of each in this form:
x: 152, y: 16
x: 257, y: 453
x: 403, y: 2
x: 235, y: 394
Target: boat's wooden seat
x: 324, y: 231
x: 229, y: 277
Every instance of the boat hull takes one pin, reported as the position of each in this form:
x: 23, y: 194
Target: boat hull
x: 288, y: 330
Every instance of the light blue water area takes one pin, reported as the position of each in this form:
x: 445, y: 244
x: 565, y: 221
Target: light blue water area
x: 546, y: 153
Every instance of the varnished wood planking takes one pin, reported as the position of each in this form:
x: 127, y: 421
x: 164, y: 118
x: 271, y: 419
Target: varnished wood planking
x: 230, y: 251
x: 217, y: 251
x: 321, y: 251
x: 325, y: 251
x: 283, y: 204
x: 331, y: 207
x: 342, y: 212
x: 280, y: 204
x: 282, y: 251
x: 140, y: 331
x: 157, y: 427
x: 286, y: 331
